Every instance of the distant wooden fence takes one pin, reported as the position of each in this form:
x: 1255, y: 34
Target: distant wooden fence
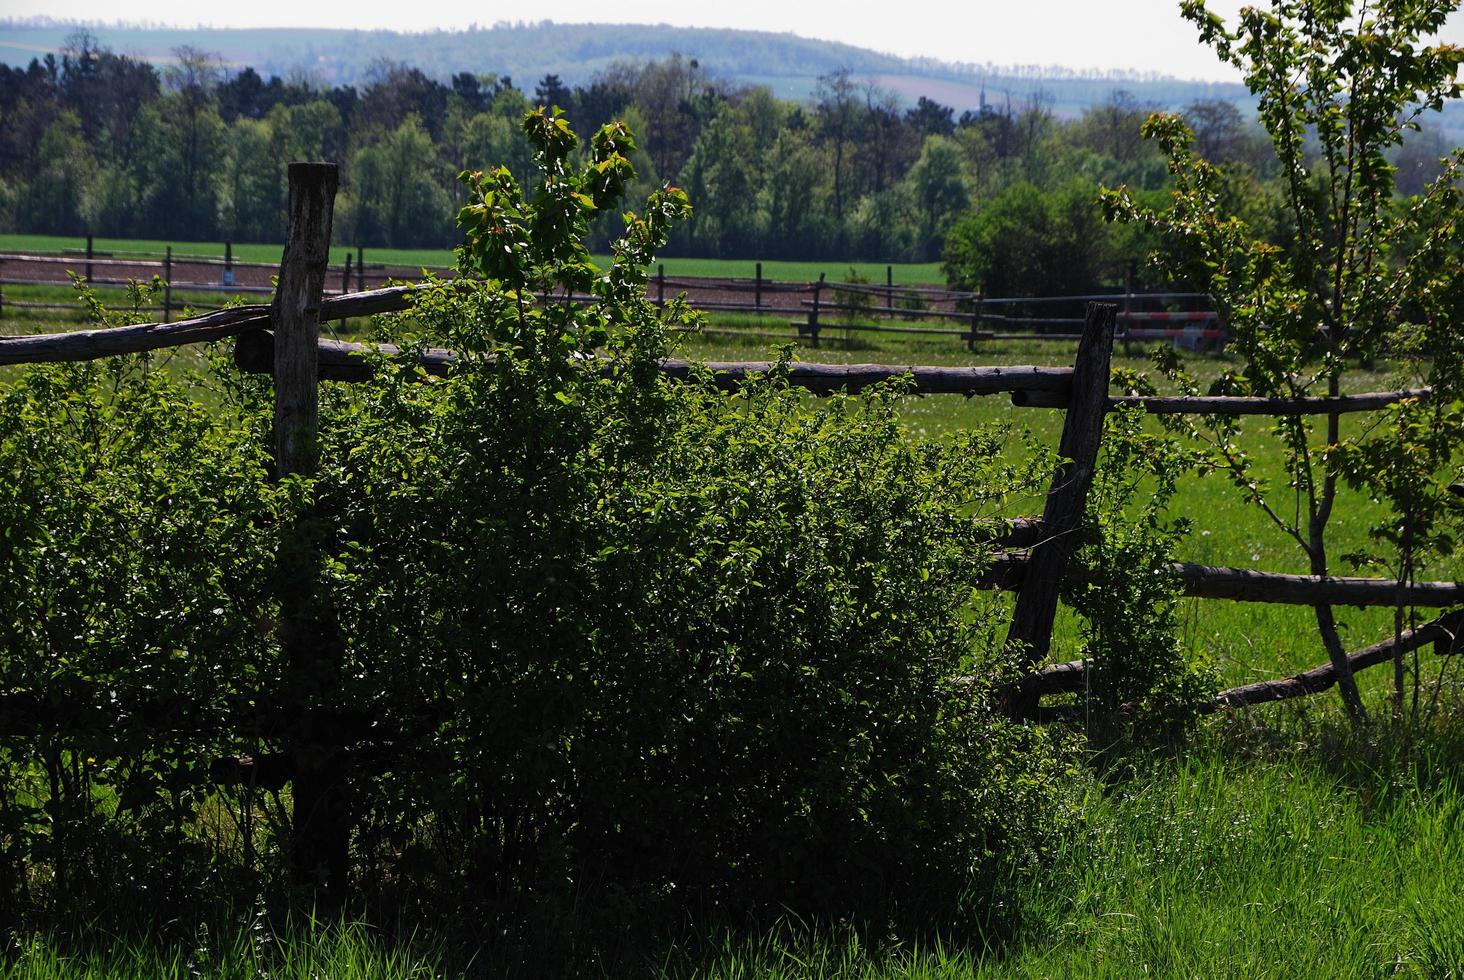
x: 182, y: 274
x: 1034, y: 554
x: 821, y: 309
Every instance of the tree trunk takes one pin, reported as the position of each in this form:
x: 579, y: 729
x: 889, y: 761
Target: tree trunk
x: 1326, y: 622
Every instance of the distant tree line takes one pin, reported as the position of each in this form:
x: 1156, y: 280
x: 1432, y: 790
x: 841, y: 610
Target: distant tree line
x: 99, y: 142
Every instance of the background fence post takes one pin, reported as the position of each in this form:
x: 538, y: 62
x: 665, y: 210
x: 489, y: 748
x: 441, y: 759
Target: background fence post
x: 228, y: 263
x: 661, y: 284
x: 168, y: 285
x: 1129, y: 275
x: 757, y: 288
x: 319, y: 848
x: 360, y: 269
x: 88, y: 259
x: 346, y: 275
x: 813, y: 311
x: 1082, y: 433
x: 889, y: 287
x: 976, y: 305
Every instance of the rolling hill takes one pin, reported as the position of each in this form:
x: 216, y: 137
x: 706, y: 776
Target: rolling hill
x: 786, y: 63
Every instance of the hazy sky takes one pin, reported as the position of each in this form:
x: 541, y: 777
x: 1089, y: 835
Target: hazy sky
x: 1146, y: 35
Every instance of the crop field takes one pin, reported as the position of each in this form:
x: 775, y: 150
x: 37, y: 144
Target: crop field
x: 1279, y: 845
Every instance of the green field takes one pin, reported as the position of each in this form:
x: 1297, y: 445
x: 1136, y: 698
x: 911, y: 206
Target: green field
x: 1276, y: 846
x: 927, y: 273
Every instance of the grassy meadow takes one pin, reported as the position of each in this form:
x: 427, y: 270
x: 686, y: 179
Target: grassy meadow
x: 1277, y: 845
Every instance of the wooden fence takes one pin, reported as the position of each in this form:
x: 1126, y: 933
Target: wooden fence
x: 818, y: 309
x: 283, y: 340
x: 182, y: 274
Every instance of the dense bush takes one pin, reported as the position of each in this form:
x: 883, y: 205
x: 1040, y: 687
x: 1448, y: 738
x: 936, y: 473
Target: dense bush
x: 1141, y: 689
x: 136, y: 542
x: 615, y: 636
x: 1029, y: 242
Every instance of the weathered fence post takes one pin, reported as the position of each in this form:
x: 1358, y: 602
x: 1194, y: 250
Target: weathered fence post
x: 319, y: 849
x: 661, y: 284
x: 346, y: 275
x: 757, y: 288
x: 168, y: 285
x: 1082, y: 432
x: 228, y: 263
x: 89, y: 259
x: 360, y: 269
x: 813, y: 310
x: 890, y: 287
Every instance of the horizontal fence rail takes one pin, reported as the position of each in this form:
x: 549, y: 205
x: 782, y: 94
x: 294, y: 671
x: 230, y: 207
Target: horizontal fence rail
x: 1443, y: 633
x: 347, y: 361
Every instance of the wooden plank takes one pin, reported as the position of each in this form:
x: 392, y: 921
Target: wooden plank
x: 1031, y: 629
x: 168, y: 285
x: 828, y: 378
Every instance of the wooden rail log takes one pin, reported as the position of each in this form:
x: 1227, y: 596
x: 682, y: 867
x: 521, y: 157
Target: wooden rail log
x: 1064, y: 678
x: 342, y: 361
x: 1217, y: 405
x: 86, y: 345
x: 1321, y: 678
x: 825, y: 379
x: 900, y: 311
x: 1247, y: 585
x: 1069, y: 677
x: 85, y: 709
x: 886, y: 328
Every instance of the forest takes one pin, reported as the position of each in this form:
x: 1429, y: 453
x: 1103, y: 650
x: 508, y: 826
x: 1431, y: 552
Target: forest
x: 99, y: 142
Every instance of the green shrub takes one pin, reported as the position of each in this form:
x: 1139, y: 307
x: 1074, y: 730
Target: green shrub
x: 136, y: 541
x: 618, y: 641
x: 1141, y: 688
x: 693, y: 644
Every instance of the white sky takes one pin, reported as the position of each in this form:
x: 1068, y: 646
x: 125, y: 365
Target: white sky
x: 1144, y: 35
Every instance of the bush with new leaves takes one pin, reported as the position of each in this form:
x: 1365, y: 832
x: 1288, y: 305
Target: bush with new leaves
x: 609, y: 634
x: 679, y: 641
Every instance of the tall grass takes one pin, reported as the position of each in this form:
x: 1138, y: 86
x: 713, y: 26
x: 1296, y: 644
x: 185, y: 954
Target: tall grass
x: 1264, y: 851
x: 256, y: 952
